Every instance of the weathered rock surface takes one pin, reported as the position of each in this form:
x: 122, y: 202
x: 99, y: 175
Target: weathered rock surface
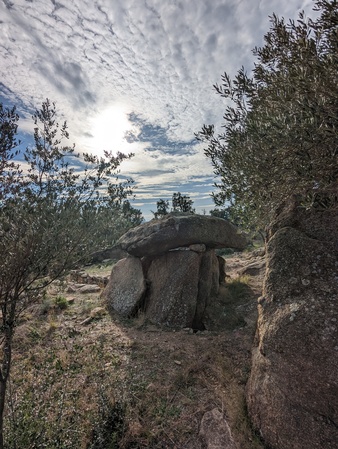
x: 292, y: 392
x: 180, y: 275
x: 112, y: 253
x: 222, y: 269
x: 159, y: 236
x: 90, y: 288
x: 208, y: 286
x: 319, y: 225
x: 173, y: 289
x: 253, y: 268
x: 173, y: 280
x: 198, y: 247
x: 98, y: 312
x: 215, y: 431
x: 126, y: 286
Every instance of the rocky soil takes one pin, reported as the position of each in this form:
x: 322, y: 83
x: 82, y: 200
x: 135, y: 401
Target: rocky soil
x: 98, y: 382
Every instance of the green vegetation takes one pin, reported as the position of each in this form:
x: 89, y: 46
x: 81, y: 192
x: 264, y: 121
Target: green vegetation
x: 280, y: 132
x: 61, y: 302
x: 62, y: 396
x: 180, y: 203
x: 118, y: 384
x: 227, y: 310
x: 51, y: 217
x: 70, y: 388
x: 238, y: 288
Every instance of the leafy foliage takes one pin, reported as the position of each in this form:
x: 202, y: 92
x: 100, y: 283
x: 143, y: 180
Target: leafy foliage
x: 280, y: 125
x: 9, y: 170
x: 224, y: 213
x: 180, y: 203
x: 162, y: 208
x: 51, y: 217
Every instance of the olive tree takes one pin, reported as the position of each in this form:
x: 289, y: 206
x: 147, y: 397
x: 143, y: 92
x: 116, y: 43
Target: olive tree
x: 180, y: 203
x: 51, y: 217
x: 162, y: 208
x: 280, y: 123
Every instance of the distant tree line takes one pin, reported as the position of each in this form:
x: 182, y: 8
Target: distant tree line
x: 179, y: 203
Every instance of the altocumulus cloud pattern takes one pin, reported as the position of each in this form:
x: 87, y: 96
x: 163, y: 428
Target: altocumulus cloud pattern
x: 134, y: 75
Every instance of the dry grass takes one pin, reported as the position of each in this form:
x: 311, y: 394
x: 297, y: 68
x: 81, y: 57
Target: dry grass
x: 100, y: 269
x: 124, y: 385
x: 62, y: 373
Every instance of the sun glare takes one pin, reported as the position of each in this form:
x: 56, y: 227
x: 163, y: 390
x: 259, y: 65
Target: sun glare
x: 108, y: 130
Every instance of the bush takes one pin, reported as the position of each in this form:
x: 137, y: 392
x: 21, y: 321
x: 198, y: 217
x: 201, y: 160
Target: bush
x: 61, y: 302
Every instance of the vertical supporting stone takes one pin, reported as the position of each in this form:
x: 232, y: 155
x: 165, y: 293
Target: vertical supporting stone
x: 172, y: 295
x: 126, y: 287
x: 208, y: 285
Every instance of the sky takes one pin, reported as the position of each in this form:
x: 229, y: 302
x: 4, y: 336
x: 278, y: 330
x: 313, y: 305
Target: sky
x: 134, y: 76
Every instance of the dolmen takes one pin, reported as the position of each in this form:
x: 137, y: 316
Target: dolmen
x: 171, y: 273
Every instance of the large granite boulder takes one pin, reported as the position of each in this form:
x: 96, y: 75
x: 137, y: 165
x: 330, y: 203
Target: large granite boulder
x: 126, y: 287
x: 173, y: 289
x: 159, y: 236
x: 292, y: 393
x: 172, y: 296
x: 208, y: 286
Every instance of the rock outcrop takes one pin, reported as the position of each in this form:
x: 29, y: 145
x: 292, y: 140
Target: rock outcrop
x: 173, y: 268
x: 292, y: 392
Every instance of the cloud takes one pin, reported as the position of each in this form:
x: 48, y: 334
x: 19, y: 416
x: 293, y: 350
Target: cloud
x: 157, y: 61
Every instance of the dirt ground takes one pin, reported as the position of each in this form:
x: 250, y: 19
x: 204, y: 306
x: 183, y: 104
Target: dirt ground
x: 150, y: 387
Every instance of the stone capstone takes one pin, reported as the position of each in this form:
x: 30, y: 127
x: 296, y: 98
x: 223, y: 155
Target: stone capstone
x: 112, y: 253
x: 159, y: 236
x: 292, y: 393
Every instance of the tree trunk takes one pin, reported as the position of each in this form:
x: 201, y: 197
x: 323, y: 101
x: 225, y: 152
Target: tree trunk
x: 5, y: 370
x: 3, y: 387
